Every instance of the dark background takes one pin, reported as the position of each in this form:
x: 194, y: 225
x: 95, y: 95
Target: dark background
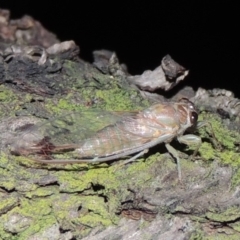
x: 200, y: 35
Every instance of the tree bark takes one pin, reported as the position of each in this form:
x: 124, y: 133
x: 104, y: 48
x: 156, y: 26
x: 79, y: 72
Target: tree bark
x: 42, y: 79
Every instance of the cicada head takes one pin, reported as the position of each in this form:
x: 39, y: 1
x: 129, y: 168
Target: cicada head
x: 187, y: 113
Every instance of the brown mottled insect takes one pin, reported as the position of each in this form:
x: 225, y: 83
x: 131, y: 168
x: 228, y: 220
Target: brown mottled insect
x: 120, y: 136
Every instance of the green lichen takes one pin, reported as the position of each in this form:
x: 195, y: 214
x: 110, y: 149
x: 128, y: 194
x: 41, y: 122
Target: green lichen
x: 227, y: 153
x: 198, y: 219
x: 231, y: 214
x: 38, y: 228
x: 236, y: 178
x: 117, y: 99
x: 142, y: 167
x: 235, y: 226
x: 90, y: 85
x: 6, y: 94
x: 230, y: 157
x: 207, y: 151
x: 9, y: 101
x: 224, y: 136
x: 197, y: 235
x: 226, y: 139
x: 73, y: 182
x: 35, y: 215
x: 30, y: 207
x: 104, y: 177
x: 114, y: 99
x: 4, y: 161
x: 6, y: 235
x: 98, y: 212
x: 12, y: 102
x: 42, y: 192
x: 6, y: 182
x: 222, y: 236
x: 61, y: 104
x: 7, y: 203
x: 214, y: 235
x: 63, y: 204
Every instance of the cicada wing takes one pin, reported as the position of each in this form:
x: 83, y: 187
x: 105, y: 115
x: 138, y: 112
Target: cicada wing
x: 70, y: 129
x: 75, y: 127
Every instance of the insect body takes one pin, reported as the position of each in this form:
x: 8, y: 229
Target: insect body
x: 128, y: 134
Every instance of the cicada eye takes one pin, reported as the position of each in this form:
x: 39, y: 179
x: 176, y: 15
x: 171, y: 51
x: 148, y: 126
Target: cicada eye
x: 194, y: 118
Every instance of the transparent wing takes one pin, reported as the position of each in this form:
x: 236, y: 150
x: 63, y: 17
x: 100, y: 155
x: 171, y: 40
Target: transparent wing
x: 72, y: 128
x: 95, y: 134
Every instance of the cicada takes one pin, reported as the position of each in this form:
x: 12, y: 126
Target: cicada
x: 122, y: 135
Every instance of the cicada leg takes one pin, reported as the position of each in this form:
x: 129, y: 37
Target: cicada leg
x: 132, y: 159
x: 174, y: 153
x: 191, y: 139
x: 188, y: 139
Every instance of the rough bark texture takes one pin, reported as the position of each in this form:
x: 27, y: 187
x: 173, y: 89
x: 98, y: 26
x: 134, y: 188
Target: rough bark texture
x: 42, y: 78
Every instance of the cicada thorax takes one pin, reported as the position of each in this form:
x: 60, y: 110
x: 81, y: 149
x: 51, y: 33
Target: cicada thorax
x: 174, y: 117
x: 183, y: 113
x: 166, y: 118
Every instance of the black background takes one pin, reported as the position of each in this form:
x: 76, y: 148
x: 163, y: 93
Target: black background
x: 200, y: 35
